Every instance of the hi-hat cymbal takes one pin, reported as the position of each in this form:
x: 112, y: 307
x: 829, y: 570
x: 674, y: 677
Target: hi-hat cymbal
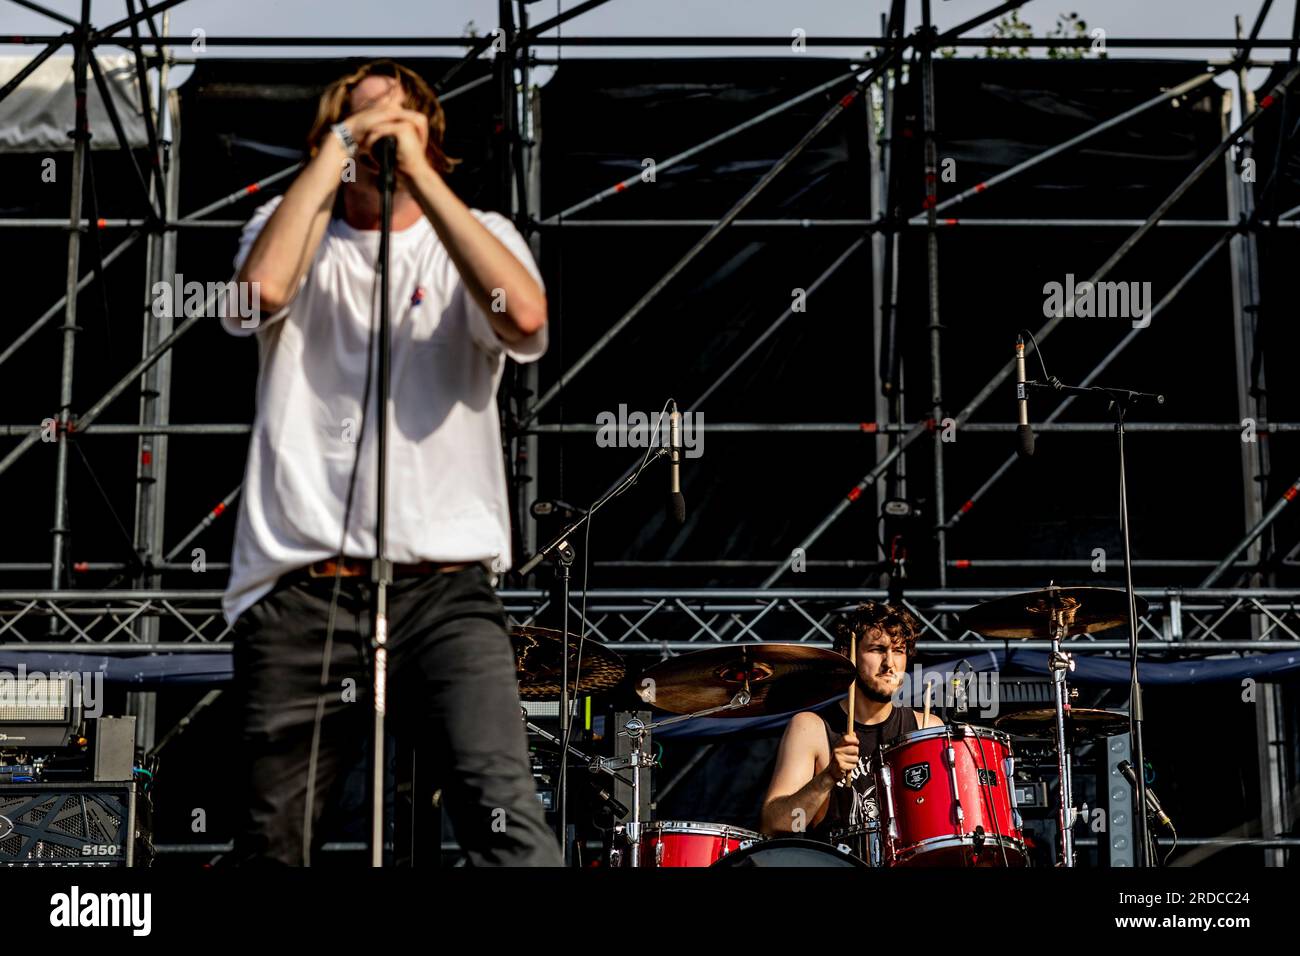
x: 1080, y: 723
x: 1080, y: 610
x: 537, y: 664
x: 782, y: 677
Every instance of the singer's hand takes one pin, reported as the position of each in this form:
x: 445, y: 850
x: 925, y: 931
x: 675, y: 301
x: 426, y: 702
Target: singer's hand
x: 410, y: 129
x: 384, y: 110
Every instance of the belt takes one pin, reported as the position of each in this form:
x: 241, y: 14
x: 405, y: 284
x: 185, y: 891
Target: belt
x: 357, y: 567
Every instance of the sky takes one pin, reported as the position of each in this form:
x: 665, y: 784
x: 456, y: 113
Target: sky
x: 1166, y: 18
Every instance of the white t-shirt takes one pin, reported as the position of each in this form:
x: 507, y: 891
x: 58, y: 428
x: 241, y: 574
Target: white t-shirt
x: 446, y: 476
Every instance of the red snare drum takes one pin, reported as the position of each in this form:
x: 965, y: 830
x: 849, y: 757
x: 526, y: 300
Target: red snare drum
x: 948, y: 799
x: 682, y: 843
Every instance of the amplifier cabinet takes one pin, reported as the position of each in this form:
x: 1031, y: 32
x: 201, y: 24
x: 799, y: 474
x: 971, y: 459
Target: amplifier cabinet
x: 67, y: 824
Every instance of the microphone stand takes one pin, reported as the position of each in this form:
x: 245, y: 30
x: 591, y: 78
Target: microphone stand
x: 562, y: 553
x: 381, y: 569
x: 1119, y: 400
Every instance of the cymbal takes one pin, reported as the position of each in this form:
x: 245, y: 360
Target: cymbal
x: 1080, y: 722
x: 782, y: 677
x: 538, y: 664
x: 1082, y: 610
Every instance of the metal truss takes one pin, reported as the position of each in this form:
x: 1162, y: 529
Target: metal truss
x: 641, y: 620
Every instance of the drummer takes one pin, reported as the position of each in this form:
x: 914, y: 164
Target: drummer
x: 824, y: 779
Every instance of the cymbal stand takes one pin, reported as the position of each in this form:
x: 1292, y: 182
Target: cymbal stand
x: 1060, y: 663
x: 636, y: 760
x: 635, y: 729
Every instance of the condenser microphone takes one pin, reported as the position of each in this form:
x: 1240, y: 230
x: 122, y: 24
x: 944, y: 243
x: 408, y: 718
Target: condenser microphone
x: 1153, y: 802
x: 676, y: 503
x: 1025, y: 433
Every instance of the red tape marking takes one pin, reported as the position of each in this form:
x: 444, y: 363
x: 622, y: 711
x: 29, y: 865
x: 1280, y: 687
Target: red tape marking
x: 1291, y: 493
x: 146, y: 458
x: 869, y: 427
x: 216, y: 512
x: 620, y: 187
x: 252, y: 189
x: 1266, y: 102
x: 81, y: 567
x: 855, y: 494
x: 966, y: 507
x: 961, y: 563
x: 848, y: 99
x: 980, y: 187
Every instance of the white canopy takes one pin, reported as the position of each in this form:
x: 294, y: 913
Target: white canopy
x: 36, y: 117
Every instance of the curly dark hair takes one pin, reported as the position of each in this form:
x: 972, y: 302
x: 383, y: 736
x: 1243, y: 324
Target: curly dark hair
x: 897, y: 622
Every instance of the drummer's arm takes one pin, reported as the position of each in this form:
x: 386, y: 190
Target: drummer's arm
x: 797, y: 791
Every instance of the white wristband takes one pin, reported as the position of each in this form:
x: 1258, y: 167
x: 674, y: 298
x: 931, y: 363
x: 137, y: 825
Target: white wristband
x: 345, y: 137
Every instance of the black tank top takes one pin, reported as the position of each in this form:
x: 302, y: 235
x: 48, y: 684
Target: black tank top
x: 852, y: 802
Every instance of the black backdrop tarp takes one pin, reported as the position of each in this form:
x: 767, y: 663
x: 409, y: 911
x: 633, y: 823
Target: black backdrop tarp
x: 750, y: 496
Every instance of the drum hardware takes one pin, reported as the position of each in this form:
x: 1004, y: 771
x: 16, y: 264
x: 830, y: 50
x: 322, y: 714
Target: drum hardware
x: 862, y: 842
x: 1119, y: 401
x: 886, y: 777
x: 956, y: 793
x: 562, y: 554
x: 1059, y: 664
x: 1009, y: 772
x: 744, y: 681
x: 1056, y: 613
x: 596, y: 765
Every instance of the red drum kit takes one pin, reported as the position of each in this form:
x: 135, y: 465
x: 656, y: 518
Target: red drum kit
x: 947, y: 792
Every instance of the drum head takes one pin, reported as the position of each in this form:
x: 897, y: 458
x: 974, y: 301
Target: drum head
x: 690, y: 827
x: 792, y: 851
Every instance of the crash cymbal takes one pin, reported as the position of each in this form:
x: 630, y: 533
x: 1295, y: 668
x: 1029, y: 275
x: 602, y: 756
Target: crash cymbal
x: 1080, y: 723
x: 537, y: 664
x: 782, y: 677
x: 1082, y: 611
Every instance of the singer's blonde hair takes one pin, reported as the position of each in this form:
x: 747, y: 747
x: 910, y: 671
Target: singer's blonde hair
x: 335, y: 106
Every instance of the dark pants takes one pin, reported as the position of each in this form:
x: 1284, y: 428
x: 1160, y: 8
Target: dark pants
x: 451, y: 686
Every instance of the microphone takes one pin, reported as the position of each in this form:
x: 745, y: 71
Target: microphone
x: 1153, y: 804
x: 385, y: 153
x: 676, y: 503
x: 1022, y: 397
x: 959, y: 693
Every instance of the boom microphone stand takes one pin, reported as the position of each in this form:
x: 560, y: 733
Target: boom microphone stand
x: 381, y: 569
x: 1119, y: 401
x: 560, y: 551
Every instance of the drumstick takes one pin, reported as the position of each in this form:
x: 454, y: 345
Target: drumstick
x: 853, y: 656
x: 929, y: 689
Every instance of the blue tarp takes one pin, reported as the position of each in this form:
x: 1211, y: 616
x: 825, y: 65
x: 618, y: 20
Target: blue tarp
x: 1103, y: 671
x: 158, y: 671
